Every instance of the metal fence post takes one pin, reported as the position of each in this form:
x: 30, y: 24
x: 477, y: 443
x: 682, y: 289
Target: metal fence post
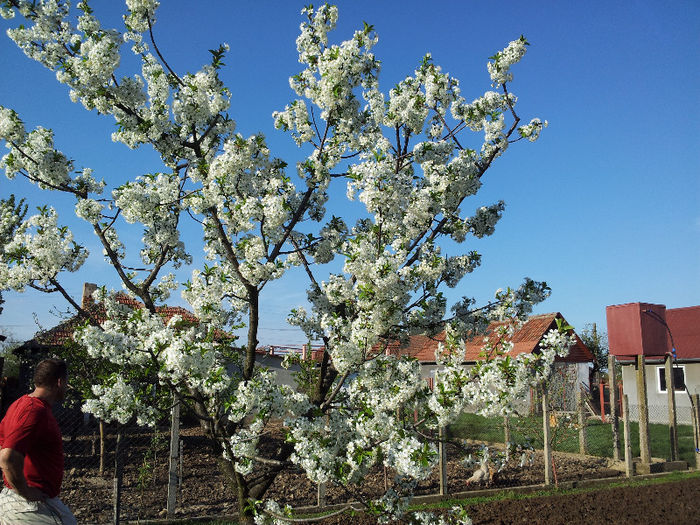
x: 547, y: 452
x: 174, y: 453
x: 628, y: 445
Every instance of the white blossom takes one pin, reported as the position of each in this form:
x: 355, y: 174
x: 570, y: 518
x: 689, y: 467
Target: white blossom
x: 407, y: 166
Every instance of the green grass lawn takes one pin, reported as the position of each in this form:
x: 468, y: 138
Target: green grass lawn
x: 598, y: 436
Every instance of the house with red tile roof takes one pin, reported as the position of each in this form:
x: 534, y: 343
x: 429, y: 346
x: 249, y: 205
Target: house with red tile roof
x: 571, y: 371
x: 657, y: 333
x: 62, y: 333
x: 50, y: 342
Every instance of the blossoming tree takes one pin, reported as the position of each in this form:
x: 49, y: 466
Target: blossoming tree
x: 411, y: 157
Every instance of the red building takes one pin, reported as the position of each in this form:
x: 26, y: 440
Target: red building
x: 655, y: 331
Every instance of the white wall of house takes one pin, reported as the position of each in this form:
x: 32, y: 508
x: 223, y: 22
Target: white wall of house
x: 583, y: 374
x: 657, y: 400
x: 581, y: 371
x: 284, y: 375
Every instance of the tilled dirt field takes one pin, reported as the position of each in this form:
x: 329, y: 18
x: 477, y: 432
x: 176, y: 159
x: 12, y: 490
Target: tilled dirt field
x: 676, y: 503
x: 204, y: 492
x: 672, y: 503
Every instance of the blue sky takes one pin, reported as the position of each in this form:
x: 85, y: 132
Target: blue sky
x: 604, y: 207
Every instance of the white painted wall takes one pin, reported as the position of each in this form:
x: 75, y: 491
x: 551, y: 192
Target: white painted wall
x: 656, y: 399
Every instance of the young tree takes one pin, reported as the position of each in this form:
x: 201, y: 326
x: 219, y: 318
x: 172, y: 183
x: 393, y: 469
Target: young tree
x: 405, y: 156
x: 597, y: 343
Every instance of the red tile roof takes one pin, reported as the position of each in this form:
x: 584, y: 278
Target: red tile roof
x: 525, y: 340
x: 685, y: 327
x: 422, y: 347
x: 63, y: 332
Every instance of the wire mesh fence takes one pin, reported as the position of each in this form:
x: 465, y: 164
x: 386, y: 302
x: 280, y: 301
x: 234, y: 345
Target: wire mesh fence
x: 96, y: 453
x: 594, y: 438
x: 659, y: 433
x: 103, y: 460
x: 660, y: 414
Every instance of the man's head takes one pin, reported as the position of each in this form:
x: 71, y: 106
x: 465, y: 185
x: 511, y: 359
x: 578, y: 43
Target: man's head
x: 52, y: 375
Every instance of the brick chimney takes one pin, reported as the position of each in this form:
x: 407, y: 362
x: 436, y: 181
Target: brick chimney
x: 88, y: 289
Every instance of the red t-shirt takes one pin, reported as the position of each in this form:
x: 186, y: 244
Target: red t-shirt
x: 30, y: 428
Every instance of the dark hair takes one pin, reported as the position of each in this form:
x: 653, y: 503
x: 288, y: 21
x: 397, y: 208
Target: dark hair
x: 49, y: 371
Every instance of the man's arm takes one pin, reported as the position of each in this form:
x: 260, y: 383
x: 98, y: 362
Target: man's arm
x: 12, y: 464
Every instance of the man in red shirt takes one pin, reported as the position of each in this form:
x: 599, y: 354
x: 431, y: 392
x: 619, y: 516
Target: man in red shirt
x: 31, y: 452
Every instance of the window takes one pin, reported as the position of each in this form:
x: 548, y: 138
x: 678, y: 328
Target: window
x: 678, y: 378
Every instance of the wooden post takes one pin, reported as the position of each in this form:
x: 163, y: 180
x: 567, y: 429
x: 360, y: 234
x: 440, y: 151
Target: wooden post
x: 547, y: 451
x: 601, y: 391
x: 671, y: 390
x: 174, y: 453
x: 442, y: 462
x: 695, y: 404
x: 620, y: 392
x: 321, y: 499
x: 535, y: 401
x: 582, y: 444
x: 321, y: 494
x: 506, y: 430
x: 182, y: 456
x: 614, y: 419
x: 117, y: 482
x: 644, y: 445
x: 102, y: 448
x: 628, y: 445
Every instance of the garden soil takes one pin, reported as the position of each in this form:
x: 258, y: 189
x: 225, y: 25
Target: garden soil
x: 672, y: 503
x: 204, y: 492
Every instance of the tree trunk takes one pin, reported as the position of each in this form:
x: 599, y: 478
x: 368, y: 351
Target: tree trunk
x: 253, y: 319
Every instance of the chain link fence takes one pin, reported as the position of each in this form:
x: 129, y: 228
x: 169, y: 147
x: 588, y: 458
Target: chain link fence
x: 659, y: 414
x: 659, y: 434
x: 103, y: 461
x: 582, y: 433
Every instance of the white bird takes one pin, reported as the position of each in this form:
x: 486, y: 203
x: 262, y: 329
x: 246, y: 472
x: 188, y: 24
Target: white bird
x: 484, y: 474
